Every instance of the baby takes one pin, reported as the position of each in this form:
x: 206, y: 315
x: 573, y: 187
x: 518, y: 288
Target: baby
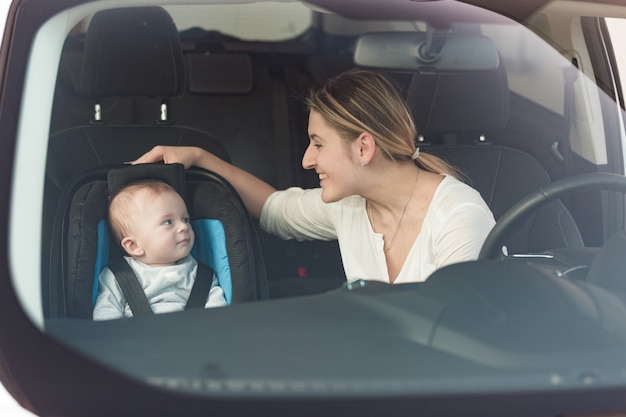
x: 151, y: 222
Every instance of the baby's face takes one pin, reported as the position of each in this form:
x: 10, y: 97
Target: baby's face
x: 161, y: 228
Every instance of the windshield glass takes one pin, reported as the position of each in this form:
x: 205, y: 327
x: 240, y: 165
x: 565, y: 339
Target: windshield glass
x: 512, y: 106
x: 254, y: 22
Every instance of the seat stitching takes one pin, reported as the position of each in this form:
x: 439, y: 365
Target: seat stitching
x: 495, y: 178
x: 432, y: 105
x: 91, y: 145
x: 181, y: 133
x: 559, y: 217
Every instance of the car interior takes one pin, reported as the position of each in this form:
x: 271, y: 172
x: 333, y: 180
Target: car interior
x: 528, y: 114
x: 117, y: 95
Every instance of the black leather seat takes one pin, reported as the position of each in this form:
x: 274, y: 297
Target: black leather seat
x: 150, y: 73
x: 462, y: 115
x: 503, y: 176
x: 131, y: 53
x: 134, y: 54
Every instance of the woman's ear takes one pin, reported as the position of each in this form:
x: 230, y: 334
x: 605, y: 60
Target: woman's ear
x: 366, y: 147
x: 131, y: 247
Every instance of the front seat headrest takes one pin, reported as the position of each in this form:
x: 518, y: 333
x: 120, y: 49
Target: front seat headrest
x: 462, y: 101
x: 132, y: 51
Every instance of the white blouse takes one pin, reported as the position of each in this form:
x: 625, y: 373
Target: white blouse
x: 454, y: 229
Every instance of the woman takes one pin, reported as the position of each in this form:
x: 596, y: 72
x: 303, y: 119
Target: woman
x: 398, y: 215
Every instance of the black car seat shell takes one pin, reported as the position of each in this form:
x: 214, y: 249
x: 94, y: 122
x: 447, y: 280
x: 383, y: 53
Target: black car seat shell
x: 77, y: 236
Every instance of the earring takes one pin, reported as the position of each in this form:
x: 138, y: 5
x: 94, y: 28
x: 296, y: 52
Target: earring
x: 363, y: 163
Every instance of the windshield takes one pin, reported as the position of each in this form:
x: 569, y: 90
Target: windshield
x: 254, y: 22
x: 513, y: 107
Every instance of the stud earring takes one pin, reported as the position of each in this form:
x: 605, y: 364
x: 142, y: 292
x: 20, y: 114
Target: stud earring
x: 363, y: 163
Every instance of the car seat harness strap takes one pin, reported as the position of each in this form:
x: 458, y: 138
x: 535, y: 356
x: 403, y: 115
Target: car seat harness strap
x: 201, y: 287
x: 127, y: 280
x: 136, y: 298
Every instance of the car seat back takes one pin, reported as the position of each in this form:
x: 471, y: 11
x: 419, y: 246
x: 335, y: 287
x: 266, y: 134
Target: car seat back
x: 226, y: 238
x: 464, y: 114
x: 504, y: 176
x: 128, y: 54
x: 151, y: 74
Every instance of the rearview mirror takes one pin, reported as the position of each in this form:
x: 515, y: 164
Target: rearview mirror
x: 414, y: 51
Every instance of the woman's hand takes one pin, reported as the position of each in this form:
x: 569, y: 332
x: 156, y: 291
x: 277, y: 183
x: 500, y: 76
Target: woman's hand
x: 253, y: 191
x: 186, y: 155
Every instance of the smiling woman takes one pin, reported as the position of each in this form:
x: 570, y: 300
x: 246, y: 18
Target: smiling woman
x: 308, y: 132
x: 362, y: 146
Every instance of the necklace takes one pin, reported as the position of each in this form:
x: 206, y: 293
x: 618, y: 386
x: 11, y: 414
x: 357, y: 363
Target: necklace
x: 393, y: 237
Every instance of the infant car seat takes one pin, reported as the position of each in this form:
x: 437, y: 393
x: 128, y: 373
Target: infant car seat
x: 226, y: 239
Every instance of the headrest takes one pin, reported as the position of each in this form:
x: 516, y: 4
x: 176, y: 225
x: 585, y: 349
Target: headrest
x: 172, y: 174
x: 132, y: 51
x: 459, y: 101
x: 215, y: 73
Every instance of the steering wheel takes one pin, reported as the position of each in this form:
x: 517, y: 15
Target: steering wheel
x: 513, y: 217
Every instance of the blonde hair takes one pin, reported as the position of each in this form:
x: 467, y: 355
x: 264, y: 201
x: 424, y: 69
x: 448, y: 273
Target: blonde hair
x: 123, y: 203
x: 358, y: 101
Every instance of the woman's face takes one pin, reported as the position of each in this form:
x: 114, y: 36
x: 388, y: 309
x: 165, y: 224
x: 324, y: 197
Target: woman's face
x: 334, y: 160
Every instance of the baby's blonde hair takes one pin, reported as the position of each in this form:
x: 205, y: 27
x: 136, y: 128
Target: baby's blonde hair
x: 122, y: 204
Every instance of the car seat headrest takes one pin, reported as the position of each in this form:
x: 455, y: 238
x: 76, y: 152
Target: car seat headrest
x: 172, y: 174
x: 132, y: 51
x: 456, y: 102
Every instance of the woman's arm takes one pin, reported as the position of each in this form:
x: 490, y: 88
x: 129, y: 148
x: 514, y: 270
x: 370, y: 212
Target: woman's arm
x: 253, y: 191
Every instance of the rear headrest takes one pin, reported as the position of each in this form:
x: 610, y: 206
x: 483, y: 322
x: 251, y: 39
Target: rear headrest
x: 459, y: 101
x: 132, y: 51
